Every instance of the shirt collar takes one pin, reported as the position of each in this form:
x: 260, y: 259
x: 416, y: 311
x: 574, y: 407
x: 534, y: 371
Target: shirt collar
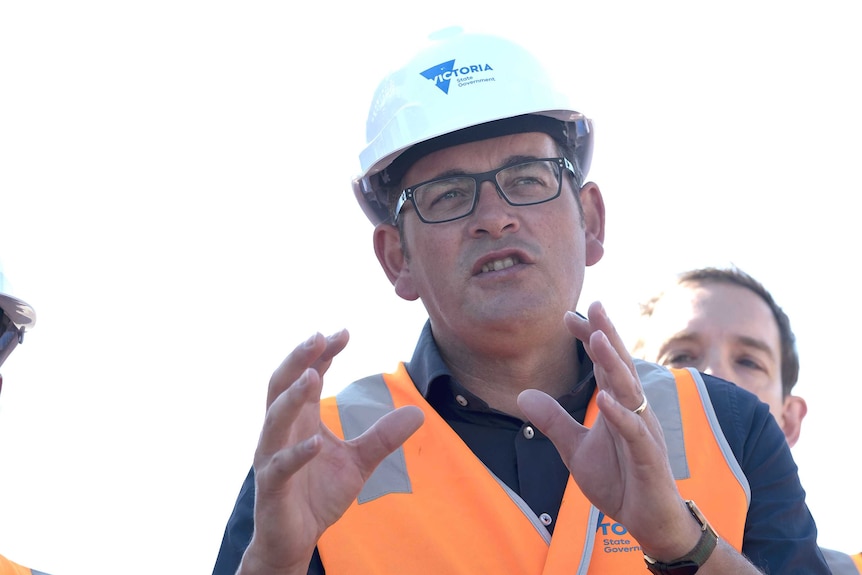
x: 426, y: 368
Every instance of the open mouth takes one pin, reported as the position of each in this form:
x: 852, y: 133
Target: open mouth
x: 501, y: 264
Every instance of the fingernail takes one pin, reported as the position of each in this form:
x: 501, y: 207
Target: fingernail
x: 609, y: 397
x: 310, y: 341
x: 599, y: 334
x: 332, y: 336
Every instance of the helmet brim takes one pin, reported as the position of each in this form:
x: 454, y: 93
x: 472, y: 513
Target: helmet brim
x: 22, y: 314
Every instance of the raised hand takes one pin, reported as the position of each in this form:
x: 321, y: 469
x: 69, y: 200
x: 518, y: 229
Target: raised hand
x: 621, y: 462
x: 306, y: 477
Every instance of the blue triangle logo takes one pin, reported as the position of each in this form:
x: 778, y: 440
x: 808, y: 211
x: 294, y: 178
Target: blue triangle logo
x: 440, y: 76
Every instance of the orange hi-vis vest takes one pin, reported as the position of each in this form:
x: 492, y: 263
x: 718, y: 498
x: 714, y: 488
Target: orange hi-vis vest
x: 9, y: 568
x: 433, y: 507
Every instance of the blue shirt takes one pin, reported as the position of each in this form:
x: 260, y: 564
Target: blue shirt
x: 780, y: 534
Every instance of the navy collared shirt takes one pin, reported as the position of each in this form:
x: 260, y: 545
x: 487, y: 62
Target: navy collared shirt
x: 780, y: 535
x: 515, y: 451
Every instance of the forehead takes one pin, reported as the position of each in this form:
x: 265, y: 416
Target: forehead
x: 722, y: 312
x: 481, y: 155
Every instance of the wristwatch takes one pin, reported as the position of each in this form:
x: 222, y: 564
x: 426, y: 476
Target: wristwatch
x: 689, y: 563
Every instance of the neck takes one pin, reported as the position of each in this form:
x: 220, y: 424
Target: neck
x: 498, y: 377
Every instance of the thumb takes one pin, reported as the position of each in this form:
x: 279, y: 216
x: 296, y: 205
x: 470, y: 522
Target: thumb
x: 387, y: 434
x: 551, y: 419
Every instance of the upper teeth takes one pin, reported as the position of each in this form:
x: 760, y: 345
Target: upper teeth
x: 497, y: 265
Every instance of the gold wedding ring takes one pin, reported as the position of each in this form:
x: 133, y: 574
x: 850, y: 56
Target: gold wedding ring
x: 642, y: 407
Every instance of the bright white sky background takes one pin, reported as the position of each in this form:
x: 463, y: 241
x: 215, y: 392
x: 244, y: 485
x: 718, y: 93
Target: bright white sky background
x: 175, y: 203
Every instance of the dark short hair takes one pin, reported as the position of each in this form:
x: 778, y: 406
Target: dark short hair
x: 735, y: 276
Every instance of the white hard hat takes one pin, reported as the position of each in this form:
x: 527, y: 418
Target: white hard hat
x: 16, y: 317
x: 459, y: 81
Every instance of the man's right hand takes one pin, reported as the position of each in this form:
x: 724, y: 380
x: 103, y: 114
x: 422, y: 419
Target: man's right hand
x: 305, y: 476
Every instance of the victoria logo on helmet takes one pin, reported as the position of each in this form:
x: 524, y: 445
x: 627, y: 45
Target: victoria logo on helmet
x: 442, y: 74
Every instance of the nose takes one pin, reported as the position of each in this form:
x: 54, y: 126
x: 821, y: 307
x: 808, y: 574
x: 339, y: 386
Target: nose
x: 493, y: 215
x: 716, y: 367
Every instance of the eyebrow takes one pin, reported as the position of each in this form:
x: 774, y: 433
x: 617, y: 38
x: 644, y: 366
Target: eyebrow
x: 682, y: 337
x: 510, y: 161
x: 755, y: 343
x: 689, y: 337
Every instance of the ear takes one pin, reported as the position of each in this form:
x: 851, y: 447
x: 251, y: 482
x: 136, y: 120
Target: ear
x: 594, y: 221
x: 792, y: 413
x: 395, y: 263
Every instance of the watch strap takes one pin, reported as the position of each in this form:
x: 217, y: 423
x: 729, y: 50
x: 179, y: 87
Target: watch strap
x: 689, y: 563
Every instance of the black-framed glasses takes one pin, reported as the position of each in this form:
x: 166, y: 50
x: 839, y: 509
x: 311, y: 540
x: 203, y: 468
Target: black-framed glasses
x: 522, y: 184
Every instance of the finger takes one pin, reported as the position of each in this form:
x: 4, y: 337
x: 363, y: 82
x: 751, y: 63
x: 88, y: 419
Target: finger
x: 614, y: 368
x: 582, y: 328
x: 578, y: 326
x: 613, y: 373
x: 335, y: 344
x: 279, y: 468
x: 552, y: 420
x: 281, y: 425
x: 386, y: 435
x: 599, y: 320
x: 316, y: 349
x: 646, y: 445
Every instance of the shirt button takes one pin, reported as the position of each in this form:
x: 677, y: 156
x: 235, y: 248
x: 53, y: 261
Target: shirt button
x: 545, y: 519
x: 528, y: 432
x: 462, y: 401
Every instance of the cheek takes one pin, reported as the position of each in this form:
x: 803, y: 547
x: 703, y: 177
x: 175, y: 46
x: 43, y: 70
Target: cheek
x: 774, y: 393
x: 767, y: 390
x: 744, y: 378
x: 428, y: 258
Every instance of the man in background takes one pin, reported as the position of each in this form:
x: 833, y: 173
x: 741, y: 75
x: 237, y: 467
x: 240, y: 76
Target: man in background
x: 723, y: 322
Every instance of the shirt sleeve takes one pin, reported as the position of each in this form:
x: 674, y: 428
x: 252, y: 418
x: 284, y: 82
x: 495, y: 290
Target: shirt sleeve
x: 237, y: 534
x: 780, y: 533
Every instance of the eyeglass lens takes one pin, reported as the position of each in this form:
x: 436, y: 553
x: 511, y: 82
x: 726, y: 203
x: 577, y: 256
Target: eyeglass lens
x: 522, y: 184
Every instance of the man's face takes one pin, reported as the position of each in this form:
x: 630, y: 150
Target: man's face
x: 721, y: 329
x: 503, y: 266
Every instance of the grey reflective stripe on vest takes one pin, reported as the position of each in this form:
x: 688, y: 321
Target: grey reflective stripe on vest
x: 660, y: 388
x: 360, y: 404
x: 525, y: 509
x: 592, y: 532
x: 365, y: 401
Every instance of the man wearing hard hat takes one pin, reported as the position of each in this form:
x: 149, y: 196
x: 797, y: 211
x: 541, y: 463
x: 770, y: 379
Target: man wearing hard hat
x: 521, y: 437
x: 16, y: 317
